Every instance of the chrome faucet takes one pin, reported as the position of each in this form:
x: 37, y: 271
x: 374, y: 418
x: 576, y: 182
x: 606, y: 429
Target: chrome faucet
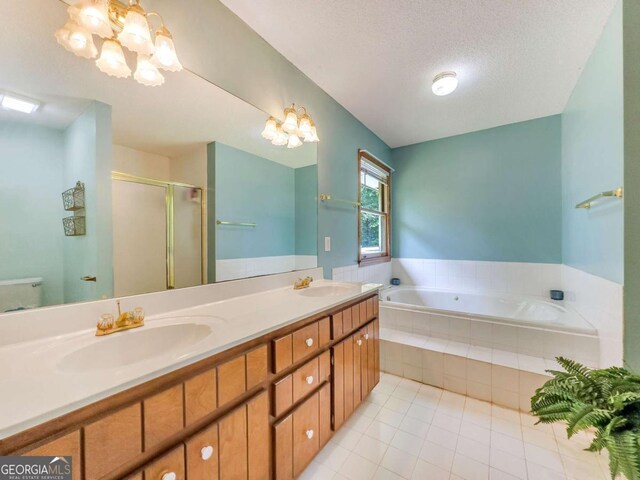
x: 125, y: 321
x: 302, y: 283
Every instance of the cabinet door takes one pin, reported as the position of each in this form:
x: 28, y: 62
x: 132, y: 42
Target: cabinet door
x: 163, y: 415
x: 376, y: 349
x: 259, y: 438
x: 357, y: 369
x: 202, y: 454
x: 306, y: 435
x: 232, y: 438
x: 165, y: 466
x: 67, y: 446
x: 348, y: 345
x: 337, y: 385
x: 364, y: 360
x: 283, y: 442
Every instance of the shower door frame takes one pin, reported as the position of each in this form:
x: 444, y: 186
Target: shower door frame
x: 169, y: 187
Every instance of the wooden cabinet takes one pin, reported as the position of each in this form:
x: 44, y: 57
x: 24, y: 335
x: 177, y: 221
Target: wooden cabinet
x: 163, y: 416
x: 67, y: 446
x: 259, y: 411
x: 355, y: 371
x: 202, y: 454
x: 299, y: 436
x: 112, y: 441
x: 170, y: 466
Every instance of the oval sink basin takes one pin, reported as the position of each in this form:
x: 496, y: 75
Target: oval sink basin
x: 125, y: 348
x: 327, y: 290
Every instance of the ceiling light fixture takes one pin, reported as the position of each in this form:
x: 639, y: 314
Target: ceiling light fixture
x: 121, y: 26
x: 18, y: 104
x: 298, y: 128
x: 444, y: 83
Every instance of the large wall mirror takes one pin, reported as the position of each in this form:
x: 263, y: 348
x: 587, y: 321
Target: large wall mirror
x: 165, y: 187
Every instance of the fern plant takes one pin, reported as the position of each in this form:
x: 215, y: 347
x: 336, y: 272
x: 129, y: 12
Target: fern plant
x: 606, y: 401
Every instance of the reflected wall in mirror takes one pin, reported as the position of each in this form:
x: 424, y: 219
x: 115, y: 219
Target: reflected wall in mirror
x: 164, y: 170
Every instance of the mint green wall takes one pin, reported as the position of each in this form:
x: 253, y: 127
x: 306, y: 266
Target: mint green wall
x: 217, y: 45
x: 491, y: 195
x: 249, y: 188
x: 31, y: 159
x: 306, y: 209
x: 593, y: 160
x: 631, y: 29
x: 88, y: 157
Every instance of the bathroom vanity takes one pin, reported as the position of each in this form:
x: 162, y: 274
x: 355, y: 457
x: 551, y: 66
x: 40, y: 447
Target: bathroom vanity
x: 258, y: 409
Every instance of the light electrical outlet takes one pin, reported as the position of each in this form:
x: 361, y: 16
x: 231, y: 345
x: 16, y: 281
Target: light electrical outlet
x: 327, y: 244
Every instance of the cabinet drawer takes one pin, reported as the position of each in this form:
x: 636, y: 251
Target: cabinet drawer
x: 67, y: 446
x: 305, y: 341
x: 256, y: 367
x: 202, y: 454
x: 283, y: 395
x: 165, y: 466
x: 163, y: 416
x: 112, y: 441
x: 305, y: 379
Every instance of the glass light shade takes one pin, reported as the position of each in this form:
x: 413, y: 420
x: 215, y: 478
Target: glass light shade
x: 305, y: 125
x: 94, y: 16
x: 312, y: 136
x: 147, y: 73
x: 294, y: 141
x: 444, y: 83
x: 135, y: 34
x: 165, y: 56
x: 76, y: 39
x: 281, y: 138
x: 270, y: 129
x: 290, y: 124
x: 112, y: 61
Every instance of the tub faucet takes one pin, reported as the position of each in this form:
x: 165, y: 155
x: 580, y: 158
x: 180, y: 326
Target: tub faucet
x: 302, y: 283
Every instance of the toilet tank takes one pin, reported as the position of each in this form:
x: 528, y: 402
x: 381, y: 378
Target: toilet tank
x: 20, y: 294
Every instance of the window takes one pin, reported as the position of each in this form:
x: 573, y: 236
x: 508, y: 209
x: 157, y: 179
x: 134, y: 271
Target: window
x: 374, y: 192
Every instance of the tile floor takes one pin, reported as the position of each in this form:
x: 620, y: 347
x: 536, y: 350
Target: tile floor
x: 408, y: 430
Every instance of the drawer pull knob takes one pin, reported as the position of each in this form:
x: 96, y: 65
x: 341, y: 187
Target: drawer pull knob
x: 309, y: 379
x: 366, y: 336
x: 359, y: 342
x: 169, y: 476
x: 309, y: 342
x: 206, y: 452
x: 309, y: 435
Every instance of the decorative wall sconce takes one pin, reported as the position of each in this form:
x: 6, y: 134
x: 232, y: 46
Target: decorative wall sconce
x: 73, y: 201
x: 120, y: 26
x: 298, y: 127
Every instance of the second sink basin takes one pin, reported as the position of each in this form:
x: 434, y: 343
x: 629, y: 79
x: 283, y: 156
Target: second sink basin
x: 126, y: 348
x: 327, y: 290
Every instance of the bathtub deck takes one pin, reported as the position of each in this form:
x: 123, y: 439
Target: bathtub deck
x: 502, y: 377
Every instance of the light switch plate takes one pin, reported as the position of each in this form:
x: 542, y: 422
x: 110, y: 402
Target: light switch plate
x: 327, y: 244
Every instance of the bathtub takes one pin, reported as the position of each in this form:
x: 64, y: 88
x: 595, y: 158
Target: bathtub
x: 505, y: 309
x: 530, y: 326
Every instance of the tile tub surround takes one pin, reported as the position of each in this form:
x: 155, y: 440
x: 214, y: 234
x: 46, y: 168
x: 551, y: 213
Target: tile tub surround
x: 30, y: 363
x: 407, y: 430
x: 378, y: 273
x: 472, y: 276
x: 504, y: 378
x: 599, y: 301
x: 520, y: 339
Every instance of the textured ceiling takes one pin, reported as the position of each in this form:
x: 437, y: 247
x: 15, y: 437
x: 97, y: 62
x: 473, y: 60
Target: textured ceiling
x: 516, y: 59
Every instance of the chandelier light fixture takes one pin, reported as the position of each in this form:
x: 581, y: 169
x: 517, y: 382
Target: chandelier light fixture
x: 120, y: 25
x: 297, y: 128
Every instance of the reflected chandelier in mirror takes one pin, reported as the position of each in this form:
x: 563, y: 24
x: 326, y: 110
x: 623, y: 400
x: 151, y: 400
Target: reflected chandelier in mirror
x: 120, y: 26
x: 297, y: 124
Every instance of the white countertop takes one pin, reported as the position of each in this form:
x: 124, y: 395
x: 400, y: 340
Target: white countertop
x: 41, y: 380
